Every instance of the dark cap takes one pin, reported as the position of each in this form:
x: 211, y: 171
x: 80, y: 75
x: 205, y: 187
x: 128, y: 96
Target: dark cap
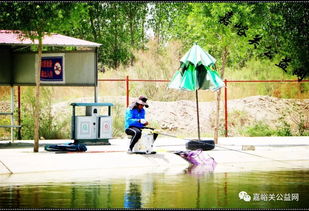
x: 143, y: 101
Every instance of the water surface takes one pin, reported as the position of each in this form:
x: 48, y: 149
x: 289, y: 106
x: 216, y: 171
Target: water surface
x: 185, y: 189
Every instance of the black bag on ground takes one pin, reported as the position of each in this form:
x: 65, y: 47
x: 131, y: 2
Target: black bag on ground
x: 71, y: 147
x: 200, y: 144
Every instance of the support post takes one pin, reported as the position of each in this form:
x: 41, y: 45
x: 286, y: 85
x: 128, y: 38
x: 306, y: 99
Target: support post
x: 12, y: 113
x: 225, y: 107
x: 198, y: 116
x: 19, y: 115
x: 96, y: 93
x: 96, y: 76
x: 73, y: 123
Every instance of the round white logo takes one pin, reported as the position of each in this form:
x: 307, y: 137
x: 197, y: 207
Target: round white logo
x: 57, y: 68
x: 244, y: 195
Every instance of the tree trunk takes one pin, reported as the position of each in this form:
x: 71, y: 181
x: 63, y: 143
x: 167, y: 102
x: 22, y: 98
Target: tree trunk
x: 216, y: 129
x: 91, y: 16
x: 37, y: 99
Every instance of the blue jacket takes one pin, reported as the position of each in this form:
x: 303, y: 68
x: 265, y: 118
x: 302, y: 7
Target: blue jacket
x: 133, y: 116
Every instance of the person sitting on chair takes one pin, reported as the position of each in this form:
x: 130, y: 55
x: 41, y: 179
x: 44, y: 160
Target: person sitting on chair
x: 135, y: 120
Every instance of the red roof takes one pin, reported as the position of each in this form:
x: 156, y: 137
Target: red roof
x: 14, y: 37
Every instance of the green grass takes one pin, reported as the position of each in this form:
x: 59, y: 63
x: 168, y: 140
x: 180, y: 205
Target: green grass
x: 259, y: 129
x: 262, y: 129
x: 162, y: 64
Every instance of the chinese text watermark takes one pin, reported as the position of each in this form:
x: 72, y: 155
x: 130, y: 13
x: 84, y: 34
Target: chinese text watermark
x: 268, y: 196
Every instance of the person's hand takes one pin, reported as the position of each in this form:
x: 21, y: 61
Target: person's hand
x: 143, y: 121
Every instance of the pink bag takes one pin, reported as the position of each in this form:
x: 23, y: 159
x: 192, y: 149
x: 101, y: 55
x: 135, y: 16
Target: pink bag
x: 196, y: 157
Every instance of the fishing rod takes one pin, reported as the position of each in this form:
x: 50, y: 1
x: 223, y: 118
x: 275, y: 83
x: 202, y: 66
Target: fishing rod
x: 6, y: 167
x: 213, y: 145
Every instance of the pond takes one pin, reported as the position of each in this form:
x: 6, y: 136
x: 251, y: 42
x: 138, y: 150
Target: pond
x: 253, y: 189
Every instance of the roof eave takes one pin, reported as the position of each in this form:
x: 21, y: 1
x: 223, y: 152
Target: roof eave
x: 64, y: 45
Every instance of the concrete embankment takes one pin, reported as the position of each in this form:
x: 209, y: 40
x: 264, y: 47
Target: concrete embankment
x: 23, y: 161
x: 264, y: 153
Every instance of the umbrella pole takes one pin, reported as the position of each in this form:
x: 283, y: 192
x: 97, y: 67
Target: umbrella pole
x: 198, y: 116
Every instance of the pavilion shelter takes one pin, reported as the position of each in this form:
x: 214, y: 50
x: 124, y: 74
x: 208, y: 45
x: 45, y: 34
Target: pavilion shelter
x: 66, y: 61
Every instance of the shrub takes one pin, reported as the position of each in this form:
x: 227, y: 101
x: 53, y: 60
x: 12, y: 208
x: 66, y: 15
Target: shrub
x: 118, y: 120
x: 49, y: 128
x: 259, y: 129
x: 5, y: 132
x: 284, y: 129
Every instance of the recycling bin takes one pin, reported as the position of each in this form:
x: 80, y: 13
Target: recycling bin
x: 92, y: 127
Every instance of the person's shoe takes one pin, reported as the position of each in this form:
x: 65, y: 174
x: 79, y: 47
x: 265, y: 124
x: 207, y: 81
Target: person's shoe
x: 129, y: 151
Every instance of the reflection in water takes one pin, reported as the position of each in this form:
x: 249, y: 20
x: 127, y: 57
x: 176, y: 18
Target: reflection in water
x: 204, y: 168
x: 138, y: 192
x: 200, y: 170
x: 132, y: 196
x: 161, y: 190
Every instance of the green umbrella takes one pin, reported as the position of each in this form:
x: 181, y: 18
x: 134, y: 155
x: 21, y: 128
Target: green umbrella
x: 197, y: 71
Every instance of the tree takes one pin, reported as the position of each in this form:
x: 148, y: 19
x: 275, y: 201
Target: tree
x: 35, y: 20
x: 237, y: 32
x: 162, y: 18
x: 119, y: 27
x: 289, y: 28
x: 215, y: 27
x: 135, y: 14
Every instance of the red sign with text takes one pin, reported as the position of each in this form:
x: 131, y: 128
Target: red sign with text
x: 52, y: 69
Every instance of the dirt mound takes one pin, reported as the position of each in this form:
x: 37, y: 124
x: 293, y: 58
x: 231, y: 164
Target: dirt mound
x: 180, y: 116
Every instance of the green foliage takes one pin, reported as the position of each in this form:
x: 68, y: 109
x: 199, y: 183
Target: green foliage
x: 281, y: 26
x: 259, y: 129
x: 240, y: 119
x: 300, y: 119
x: 263, y: 70
x: 123, y: 27
x: 118, y: 120
x: 50, y: 128
x: 34, y: 19
x: 262, y: 129
x: 5, y: 132
x: 290, y: 30
x: 202, y: 26
x: 284, y: 129
x: 119, y: 27
x: 163, y: 18
x: 302, y: 122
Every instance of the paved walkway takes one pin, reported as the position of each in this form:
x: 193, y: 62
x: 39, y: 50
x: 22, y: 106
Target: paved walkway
x: 231, y: 154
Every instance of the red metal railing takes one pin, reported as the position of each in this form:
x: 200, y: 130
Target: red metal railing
x: 127, y: 80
